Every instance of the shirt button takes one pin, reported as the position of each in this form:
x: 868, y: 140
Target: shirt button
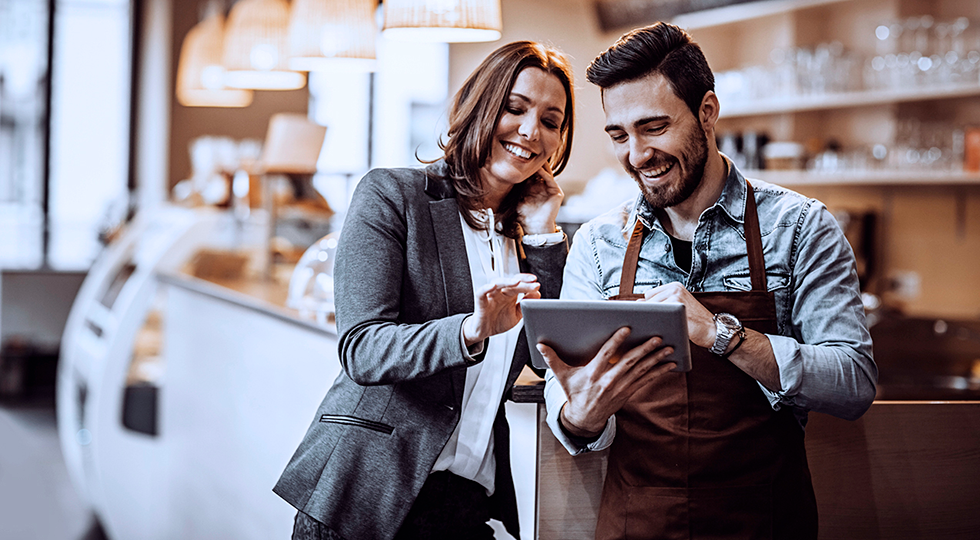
x: 667, y: 247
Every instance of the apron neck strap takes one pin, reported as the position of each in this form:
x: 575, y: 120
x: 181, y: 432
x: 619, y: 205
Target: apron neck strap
x: 753, y: 244
x: 753, y: 241
x: 632, y: 261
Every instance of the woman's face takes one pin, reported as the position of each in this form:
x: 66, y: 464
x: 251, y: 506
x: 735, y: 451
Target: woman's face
x: 528, y: 133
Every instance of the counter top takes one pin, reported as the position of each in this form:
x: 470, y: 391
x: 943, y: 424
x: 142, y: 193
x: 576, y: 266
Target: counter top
x: 896, y: 381
x: 269, y: 297
x: 528, y: 388
x: 264, y: 296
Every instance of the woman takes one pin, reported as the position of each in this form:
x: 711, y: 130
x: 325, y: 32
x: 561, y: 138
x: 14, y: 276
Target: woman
x: 411, y: 440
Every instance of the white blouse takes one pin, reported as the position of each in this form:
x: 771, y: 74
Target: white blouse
x: 469, y: 452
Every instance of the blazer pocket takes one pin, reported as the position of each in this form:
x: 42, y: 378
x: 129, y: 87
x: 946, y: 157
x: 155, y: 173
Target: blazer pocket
x: 357, y: 422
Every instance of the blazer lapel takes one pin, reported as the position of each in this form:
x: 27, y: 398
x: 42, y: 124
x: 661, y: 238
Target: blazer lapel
x: 453, y: 262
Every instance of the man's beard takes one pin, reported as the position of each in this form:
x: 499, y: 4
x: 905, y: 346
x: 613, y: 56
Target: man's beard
x: 693, y: 160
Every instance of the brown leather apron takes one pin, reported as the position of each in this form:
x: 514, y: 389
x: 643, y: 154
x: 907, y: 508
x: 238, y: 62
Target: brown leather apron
x: 702, y: 454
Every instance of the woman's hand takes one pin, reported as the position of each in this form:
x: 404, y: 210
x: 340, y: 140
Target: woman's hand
x: 496, y: 308
x: 538, y: 210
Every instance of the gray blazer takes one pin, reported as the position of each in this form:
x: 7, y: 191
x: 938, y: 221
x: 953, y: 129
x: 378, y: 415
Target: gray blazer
x: 403, y: 288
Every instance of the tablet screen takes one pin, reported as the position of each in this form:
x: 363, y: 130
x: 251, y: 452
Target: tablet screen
x: 577, y: 329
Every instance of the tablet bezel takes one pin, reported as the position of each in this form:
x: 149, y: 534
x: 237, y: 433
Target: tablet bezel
x: 577, y: 329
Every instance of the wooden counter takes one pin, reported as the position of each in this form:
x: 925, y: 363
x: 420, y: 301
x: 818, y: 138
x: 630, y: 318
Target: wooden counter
x: 905, y: 470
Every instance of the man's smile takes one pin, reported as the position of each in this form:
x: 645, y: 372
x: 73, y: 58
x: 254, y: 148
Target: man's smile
x: 657, y: 172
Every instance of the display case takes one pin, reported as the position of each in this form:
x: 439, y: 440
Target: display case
x: 107, y: 439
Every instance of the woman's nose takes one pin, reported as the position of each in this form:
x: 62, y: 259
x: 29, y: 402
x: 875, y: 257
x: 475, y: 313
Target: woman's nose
x: 528, y: 129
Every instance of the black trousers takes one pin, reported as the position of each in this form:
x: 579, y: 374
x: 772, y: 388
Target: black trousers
x: 448, y: 507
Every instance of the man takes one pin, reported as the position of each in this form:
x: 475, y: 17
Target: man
x: 774, y: 315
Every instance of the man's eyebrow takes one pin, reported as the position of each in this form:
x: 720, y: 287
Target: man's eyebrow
x: 639, y: 123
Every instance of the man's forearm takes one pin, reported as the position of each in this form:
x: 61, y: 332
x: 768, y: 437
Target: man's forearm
x: 756, y: 359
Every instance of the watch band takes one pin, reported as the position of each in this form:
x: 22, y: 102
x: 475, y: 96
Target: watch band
x: 727, y: 326
x: 741, y: 339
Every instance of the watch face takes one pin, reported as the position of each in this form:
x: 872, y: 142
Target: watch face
x: 729, y: 321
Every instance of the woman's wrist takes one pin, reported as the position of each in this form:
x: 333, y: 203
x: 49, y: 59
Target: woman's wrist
x: 471, y: 334
x: 546, y: 227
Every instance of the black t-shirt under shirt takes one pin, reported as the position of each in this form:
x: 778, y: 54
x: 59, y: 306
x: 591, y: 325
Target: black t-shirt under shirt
x: 682, y: 253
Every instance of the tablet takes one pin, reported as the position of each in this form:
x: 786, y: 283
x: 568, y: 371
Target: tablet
x: 577, y: 329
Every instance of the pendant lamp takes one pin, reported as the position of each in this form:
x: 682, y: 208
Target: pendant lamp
x: 442, y: 20
x: 200, y: 75
x: 332, y: 35
x: 255, y: 51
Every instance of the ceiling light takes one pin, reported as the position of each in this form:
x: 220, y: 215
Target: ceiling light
x: 442, y: 20
x: 255, y: 47
x: 334, y: 35
x: 200, y: 75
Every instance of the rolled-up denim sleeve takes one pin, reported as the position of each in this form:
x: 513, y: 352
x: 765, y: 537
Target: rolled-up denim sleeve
x: 580, y: 281
x: 826, y: 365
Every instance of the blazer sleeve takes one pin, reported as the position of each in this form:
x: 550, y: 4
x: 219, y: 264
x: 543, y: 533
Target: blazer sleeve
x: 377, y: 345
x: 547, y: 263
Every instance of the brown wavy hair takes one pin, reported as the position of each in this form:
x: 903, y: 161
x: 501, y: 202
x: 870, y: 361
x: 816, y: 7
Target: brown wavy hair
x: 473, y: 118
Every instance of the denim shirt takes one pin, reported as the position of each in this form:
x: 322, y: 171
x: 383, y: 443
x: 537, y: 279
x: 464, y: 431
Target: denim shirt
x: 823, y: 347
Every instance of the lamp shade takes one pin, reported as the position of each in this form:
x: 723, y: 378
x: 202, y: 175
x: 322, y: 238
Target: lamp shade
x: 442, y: 20
x: 255, y: 47
x: 292, y: 144
x: 200, y: 74
x: 332, y: 35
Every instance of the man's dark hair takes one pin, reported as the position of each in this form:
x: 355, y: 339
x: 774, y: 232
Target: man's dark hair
x: 659, y: 48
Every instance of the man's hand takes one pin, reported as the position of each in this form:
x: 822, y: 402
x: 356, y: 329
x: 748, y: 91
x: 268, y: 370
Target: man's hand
x: 700, y: 322
x: 496, y: 308
x: 600, y: 388
x: 754, y: 357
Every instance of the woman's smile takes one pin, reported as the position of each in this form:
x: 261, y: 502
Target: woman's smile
x: 518, y: 151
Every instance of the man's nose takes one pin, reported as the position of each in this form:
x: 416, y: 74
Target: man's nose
x: 639, y: 153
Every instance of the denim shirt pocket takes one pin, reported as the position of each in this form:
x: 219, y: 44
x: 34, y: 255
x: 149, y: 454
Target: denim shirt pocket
x: 640, y: 286
x: 743, y: 282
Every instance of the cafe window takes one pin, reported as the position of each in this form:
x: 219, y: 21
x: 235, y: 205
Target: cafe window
x: 64, y: 148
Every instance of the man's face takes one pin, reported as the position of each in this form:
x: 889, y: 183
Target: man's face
x: 657, y: 139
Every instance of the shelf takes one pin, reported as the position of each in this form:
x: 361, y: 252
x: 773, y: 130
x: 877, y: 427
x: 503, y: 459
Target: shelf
x: 868, y: 178
x: 738, y: 12
x: 848, y: 100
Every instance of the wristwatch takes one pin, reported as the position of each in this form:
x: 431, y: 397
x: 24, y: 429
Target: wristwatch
x: 727, y: 327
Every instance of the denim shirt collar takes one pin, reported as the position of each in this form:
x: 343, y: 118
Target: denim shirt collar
x: 731, y: 201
